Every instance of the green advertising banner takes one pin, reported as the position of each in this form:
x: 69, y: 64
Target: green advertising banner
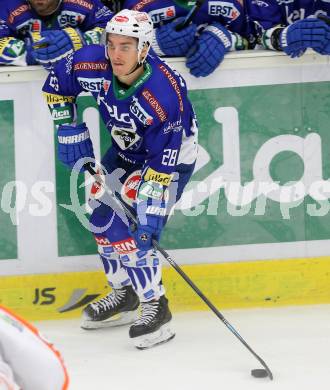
x: 8, y: 231
x: 266, y: 164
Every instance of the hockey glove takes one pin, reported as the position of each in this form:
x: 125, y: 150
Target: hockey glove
x: 209, y: 50
x: 15, y: 52
x: 57, y: 44
x: 74, y: 144
x: 93, y: 36
x: 307, y: 33
x: 150, y: 214
x: 172, y: 43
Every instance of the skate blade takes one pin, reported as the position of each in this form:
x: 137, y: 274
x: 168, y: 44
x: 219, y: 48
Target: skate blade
x: 161, y: 336
x: 124, y: 318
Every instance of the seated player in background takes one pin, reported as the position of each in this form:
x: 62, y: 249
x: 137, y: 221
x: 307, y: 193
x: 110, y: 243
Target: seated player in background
x: 145, y: 107
x: 27, y: 360
x: 291, y: 26
x: 44, y: 31
x: 217, y: 28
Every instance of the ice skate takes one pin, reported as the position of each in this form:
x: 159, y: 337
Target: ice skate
x: 117, y: 308
x: 153, y: 326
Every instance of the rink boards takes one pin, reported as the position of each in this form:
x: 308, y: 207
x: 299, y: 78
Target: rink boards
x: 253, y: 228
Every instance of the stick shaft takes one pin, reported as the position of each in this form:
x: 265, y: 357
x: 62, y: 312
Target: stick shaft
x: 179, y: 270
x: 190, y: 15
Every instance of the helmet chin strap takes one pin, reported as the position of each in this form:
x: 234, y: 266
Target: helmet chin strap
x: 135, y: 67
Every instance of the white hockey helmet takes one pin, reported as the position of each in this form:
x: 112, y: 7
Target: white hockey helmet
x: 132, y: 24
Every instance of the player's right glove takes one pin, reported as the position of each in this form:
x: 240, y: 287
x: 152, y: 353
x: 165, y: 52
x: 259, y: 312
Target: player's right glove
x: 57, y: 44
x: 172, y: 43
x: 209, y: 50
x: 74, y: 143
x: 150, y: 213
x: 297, y: 37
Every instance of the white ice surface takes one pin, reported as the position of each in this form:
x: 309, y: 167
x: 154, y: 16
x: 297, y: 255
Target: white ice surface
x: 294, y: 342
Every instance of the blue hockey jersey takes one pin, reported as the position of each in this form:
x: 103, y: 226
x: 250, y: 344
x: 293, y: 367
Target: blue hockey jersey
x: 18, y: 20
x: 270, y: 13
x: 152, y: 123
x: 230, y: 14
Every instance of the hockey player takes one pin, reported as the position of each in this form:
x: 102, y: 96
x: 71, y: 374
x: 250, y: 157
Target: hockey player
x: 216, y: 28
x: 291, y: 26
x: 44, y: 31
x: 145, y: 107
x: 27, y: 360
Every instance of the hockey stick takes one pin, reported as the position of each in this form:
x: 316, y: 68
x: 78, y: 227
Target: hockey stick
x: 325, y: 19
x: 190, y: 15
x: 186, y: 278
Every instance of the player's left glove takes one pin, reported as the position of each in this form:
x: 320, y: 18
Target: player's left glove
x: 150, y: 213
x: 74, y: 143
x: 208, y: 52
x: 56, y: 44
x: 307, y: 33
x: 325, y: 46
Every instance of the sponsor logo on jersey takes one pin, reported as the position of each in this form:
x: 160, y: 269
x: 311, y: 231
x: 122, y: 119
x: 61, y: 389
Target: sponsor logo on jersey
x: 158, y: 177
x: 161, y: 14
x: 54, y: 99
x: 124, y: 246
x: 151, y: 190
x: 102, y: 241
x: 91, y: 66
x: 125, y: 158
x: 174, y: 84
x: 92, y: 85
x: 297, y: 14
x: 68, y: 63
x: 155, y: 105
x: 104, y: 11
x: 280, y: 2
x: 106, y: 85
x: 17, y: 12
x: 176, y: 127
x: 82, y: 3
x: 130, y: 187
x: 70, y: 18
x: 260, y: 3
x: 223, y: 8
x: 61, y: 113
x: 141, y: 4
x: 138, y: 111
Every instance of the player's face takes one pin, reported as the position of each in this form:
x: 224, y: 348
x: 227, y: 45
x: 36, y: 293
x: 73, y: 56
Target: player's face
x: 44, y: 7
x: 123, y: 53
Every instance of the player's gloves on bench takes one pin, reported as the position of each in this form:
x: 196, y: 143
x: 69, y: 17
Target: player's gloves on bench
x: 150, y: 215
x: 174, y: 43
x: 74, y: 143
x: 16, y: 52
x: 57, y: 44
x: 307, y: 33
x: 209, y: 50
